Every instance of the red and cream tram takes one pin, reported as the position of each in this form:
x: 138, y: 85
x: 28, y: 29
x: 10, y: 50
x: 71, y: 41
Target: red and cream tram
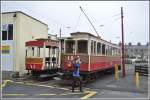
x: 42, y: 56
x: 96, y: 54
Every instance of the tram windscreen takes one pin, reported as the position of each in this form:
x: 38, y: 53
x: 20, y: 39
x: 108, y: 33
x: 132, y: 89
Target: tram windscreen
x: 82, y: 46
x: 70, y: 46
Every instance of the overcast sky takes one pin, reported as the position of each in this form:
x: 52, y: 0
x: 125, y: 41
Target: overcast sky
x: 105, y: 15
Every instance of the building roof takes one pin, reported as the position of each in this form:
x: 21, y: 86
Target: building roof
x: 24, y: 14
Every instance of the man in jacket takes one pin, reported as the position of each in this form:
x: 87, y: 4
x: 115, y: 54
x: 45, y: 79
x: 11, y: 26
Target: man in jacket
x: 76, y: 74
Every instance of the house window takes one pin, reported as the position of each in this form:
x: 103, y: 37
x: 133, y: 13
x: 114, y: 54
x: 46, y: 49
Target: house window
x: 7, y: 32
x: 4, y: 35
x: 10, y: 32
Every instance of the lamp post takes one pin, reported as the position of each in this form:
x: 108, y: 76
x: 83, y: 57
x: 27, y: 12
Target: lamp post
x: 101, y: 25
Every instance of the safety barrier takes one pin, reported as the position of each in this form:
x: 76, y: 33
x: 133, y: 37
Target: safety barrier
x: 142, y: 69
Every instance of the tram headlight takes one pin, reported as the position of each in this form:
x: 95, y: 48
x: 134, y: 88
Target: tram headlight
x: 69, y: 64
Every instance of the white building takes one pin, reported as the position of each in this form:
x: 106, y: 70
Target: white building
x: 17, y: 28
x: 139, y: 50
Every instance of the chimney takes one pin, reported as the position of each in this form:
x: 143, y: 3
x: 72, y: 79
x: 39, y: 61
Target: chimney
x: 130, y: 44
x: 139, y: 44
x: 120, y: 43
x: 147, y: 44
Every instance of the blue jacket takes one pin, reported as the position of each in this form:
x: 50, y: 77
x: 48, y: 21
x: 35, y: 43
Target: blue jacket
x: 76, y: 71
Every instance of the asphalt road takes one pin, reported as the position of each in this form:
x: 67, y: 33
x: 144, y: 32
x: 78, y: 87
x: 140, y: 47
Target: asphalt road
x: 104, y: 87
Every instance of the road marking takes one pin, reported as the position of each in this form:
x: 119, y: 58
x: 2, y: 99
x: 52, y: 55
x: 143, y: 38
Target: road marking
x: 48, y: 86
x: 40, y: 94
x: 90, y: 94
x: 45, y: 94
x: 71, y: 93
x: 15, y: 94
x: 4, y: 83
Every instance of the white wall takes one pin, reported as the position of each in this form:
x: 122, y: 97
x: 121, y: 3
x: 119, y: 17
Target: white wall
x: 25, y: 29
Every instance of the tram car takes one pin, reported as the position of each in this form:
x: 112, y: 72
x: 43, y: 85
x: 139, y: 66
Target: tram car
x: 42, y: 56
x: 97, y: 55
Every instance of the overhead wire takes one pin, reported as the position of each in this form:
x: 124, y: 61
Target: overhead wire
x: 78, y: 20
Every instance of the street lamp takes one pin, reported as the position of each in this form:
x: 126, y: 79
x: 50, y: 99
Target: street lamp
x: 60, y: 30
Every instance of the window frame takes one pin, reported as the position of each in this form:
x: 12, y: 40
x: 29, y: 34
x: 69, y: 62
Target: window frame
x: 77, y: 50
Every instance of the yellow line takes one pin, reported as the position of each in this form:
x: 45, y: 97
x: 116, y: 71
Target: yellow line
x: 5, y: 82
x: 90, y: 94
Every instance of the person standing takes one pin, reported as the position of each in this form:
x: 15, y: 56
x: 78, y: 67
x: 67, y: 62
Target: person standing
x: 76, y: 74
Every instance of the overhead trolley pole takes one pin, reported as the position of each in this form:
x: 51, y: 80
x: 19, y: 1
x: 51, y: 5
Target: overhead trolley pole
x: 90, y: 22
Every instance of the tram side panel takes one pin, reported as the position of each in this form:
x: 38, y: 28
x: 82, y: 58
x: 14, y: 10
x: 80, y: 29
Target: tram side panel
x: 97, y: 63
x: 67, y: 65
x: 103, y: 62
x: 34, y: 64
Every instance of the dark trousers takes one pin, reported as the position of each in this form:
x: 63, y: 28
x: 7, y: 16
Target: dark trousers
x: 76, y: 81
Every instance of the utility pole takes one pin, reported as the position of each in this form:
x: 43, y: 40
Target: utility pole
x: 122, y: 31
x: 60, y: 47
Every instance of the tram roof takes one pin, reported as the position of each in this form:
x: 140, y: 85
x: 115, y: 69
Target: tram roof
x: 85, y: 33
x: 40, y: 43
x: 88, y: 34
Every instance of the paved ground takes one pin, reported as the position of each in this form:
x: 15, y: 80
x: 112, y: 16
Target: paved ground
x: 104, y: 87
x: 40, y: 89
x: 108, y: 87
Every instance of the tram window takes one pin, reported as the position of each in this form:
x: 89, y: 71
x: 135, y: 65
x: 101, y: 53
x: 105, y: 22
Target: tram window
x: 82, y: 46
x: 32, y: 51
x: 103, y: 49
x: 116, y: 51
x: 98, y: 48
x: 110, y: 50
x: 53, y: 51
x: 92, y: 47
x: 119, y: 51
x: 62, y: 46
x: 38, y: 51
x: 107, y: 49
x: 113, y: 51
x: 70, y: 46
